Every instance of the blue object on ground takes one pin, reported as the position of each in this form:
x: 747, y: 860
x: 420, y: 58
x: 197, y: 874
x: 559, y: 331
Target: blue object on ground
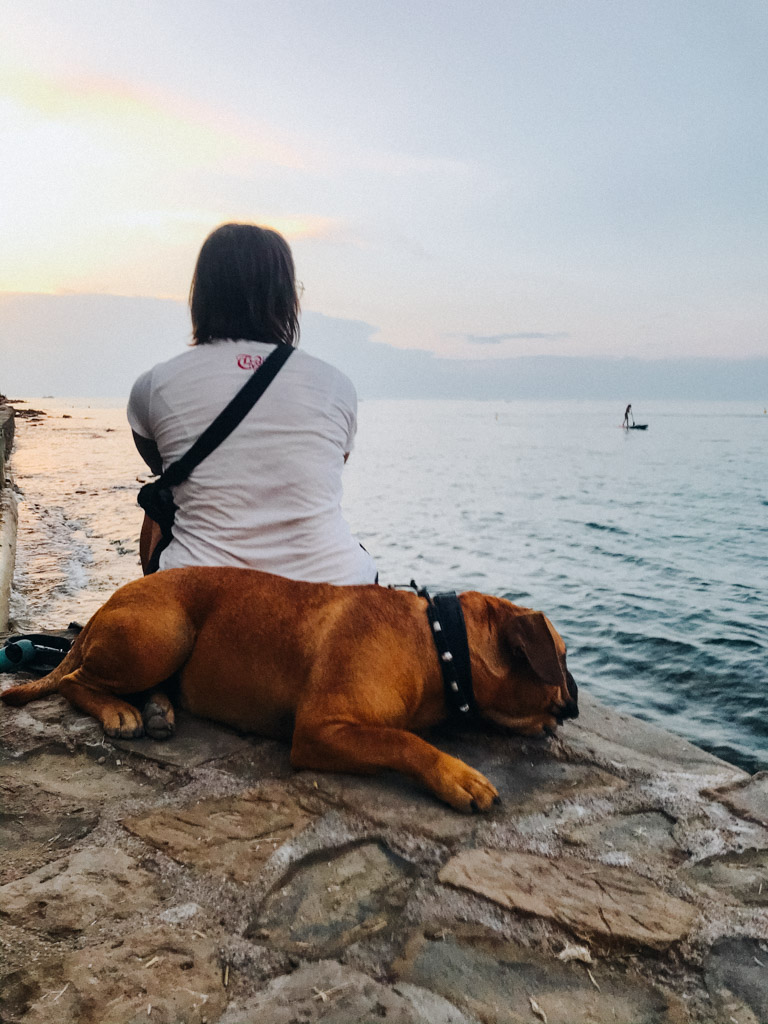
x: 16, y: 654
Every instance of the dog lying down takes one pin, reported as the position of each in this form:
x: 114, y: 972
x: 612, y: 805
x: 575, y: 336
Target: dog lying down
x: 350, y: 672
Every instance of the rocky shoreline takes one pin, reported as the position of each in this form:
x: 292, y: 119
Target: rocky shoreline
x: 623, y: 878
x: 8, y: 512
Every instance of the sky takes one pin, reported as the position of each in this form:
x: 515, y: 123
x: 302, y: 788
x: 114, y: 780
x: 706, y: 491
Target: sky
x: 476, y: 180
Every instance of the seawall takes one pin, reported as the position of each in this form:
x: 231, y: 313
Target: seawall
x: 8, y: 511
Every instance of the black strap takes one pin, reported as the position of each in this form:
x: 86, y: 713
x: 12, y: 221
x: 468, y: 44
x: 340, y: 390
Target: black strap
x: 449, y: 632
x: 227, y: 420
x: 158, y: 494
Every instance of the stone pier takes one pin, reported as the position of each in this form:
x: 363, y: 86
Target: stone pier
x: 623, y: 878
x: 8, y: 514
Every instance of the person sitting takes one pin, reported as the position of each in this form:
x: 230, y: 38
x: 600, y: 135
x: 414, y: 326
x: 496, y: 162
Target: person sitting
x: 269, y: 497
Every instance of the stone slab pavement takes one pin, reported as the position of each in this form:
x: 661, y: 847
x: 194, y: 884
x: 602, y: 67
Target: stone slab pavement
x: 200, y: 880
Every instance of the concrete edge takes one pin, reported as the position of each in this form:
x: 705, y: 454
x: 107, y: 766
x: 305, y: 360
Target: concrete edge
x: 9, y: 518
x: 621, y: 740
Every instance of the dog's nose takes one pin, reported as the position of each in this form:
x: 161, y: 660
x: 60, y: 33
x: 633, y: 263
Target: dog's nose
x: 570, y: 708
x: 573, y: 690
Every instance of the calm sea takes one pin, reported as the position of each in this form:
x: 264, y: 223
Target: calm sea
x: 646, y: 549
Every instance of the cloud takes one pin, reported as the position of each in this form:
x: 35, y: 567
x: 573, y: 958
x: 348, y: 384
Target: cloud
x: 496, y: 339
x: 94, y: 345
x: 172, y: 224
x: 111, y: 187
x: 204, y: 135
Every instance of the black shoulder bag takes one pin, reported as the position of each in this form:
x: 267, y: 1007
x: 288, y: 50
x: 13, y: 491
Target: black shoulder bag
x: 156, y: 498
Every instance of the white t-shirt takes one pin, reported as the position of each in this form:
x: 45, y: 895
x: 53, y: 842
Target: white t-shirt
x: 269, y: 497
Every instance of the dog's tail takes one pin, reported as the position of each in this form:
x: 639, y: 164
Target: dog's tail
x: 37, y: 688
x: 32, y: 690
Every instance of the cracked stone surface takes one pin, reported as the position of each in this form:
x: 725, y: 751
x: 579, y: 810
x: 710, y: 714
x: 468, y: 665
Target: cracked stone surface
x: 737, y: 976
x: 28, y: 837
x: 51, y: 799
x: 582, y: 896
x: 72, y: 894
x: 737, y: 877
x: 632, y: 835
x: 404, y: 806
x: 42, y: 723
x: 609, y: 735
x: 157, y: 974
x: 231, y: 836
x: 195, y: 742
x: 73, y: 776
x: 201, y: 879
x: 335, y: 899
x: 528, y: 778
x: 335, y: 994
x: 510, y: 985
x: 748, y: 797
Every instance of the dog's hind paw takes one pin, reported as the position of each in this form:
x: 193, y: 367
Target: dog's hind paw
x: 123, y: 724
x: 159, y: 720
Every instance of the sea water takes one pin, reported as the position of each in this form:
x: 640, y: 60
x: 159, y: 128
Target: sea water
x: 647, y: 549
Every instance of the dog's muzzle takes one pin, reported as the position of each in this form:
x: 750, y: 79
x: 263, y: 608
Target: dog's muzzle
x: 571, y: 707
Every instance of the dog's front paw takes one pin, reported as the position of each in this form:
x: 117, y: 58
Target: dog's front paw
x: 464, y: 788
x: 125, y: 724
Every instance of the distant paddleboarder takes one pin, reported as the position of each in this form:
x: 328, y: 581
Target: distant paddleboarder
x: 629, y: 421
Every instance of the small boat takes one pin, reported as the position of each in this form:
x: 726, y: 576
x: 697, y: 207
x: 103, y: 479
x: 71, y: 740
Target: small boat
x: 637, y: 426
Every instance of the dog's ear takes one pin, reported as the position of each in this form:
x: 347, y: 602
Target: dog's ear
x: 531, y: 637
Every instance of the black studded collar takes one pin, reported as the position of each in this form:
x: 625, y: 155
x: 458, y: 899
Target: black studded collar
x: 449, y: 632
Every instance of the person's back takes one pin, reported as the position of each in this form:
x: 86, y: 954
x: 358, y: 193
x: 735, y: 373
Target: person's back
x: 269, y: 497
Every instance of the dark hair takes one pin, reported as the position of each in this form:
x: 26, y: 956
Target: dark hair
x: 244, y: 286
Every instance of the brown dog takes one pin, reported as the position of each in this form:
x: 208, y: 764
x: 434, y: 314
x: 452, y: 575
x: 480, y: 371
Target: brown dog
x: 349, y: 671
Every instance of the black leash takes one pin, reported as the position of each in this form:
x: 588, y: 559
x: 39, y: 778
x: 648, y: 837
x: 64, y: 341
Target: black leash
x: 449, y: 632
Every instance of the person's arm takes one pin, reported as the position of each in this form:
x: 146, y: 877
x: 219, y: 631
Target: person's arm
x: 140, y: 422
x: 147, y: 449
x: 149, y: 538
x: 150, y: 532
x: 346, y: 404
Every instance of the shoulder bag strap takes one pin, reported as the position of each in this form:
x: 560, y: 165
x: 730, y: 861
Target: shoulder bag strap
x: 227, y: 420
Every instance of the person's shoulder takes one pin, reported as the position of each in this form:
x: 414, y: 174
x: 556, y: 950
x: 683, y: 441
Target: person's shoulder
x: 188, y: 359
x: 171, y: 363
x: 319, y: 369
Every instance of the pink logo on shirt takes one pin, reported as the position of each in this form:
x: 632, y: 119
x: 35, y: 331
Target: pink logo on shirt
x: 249, y: 362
